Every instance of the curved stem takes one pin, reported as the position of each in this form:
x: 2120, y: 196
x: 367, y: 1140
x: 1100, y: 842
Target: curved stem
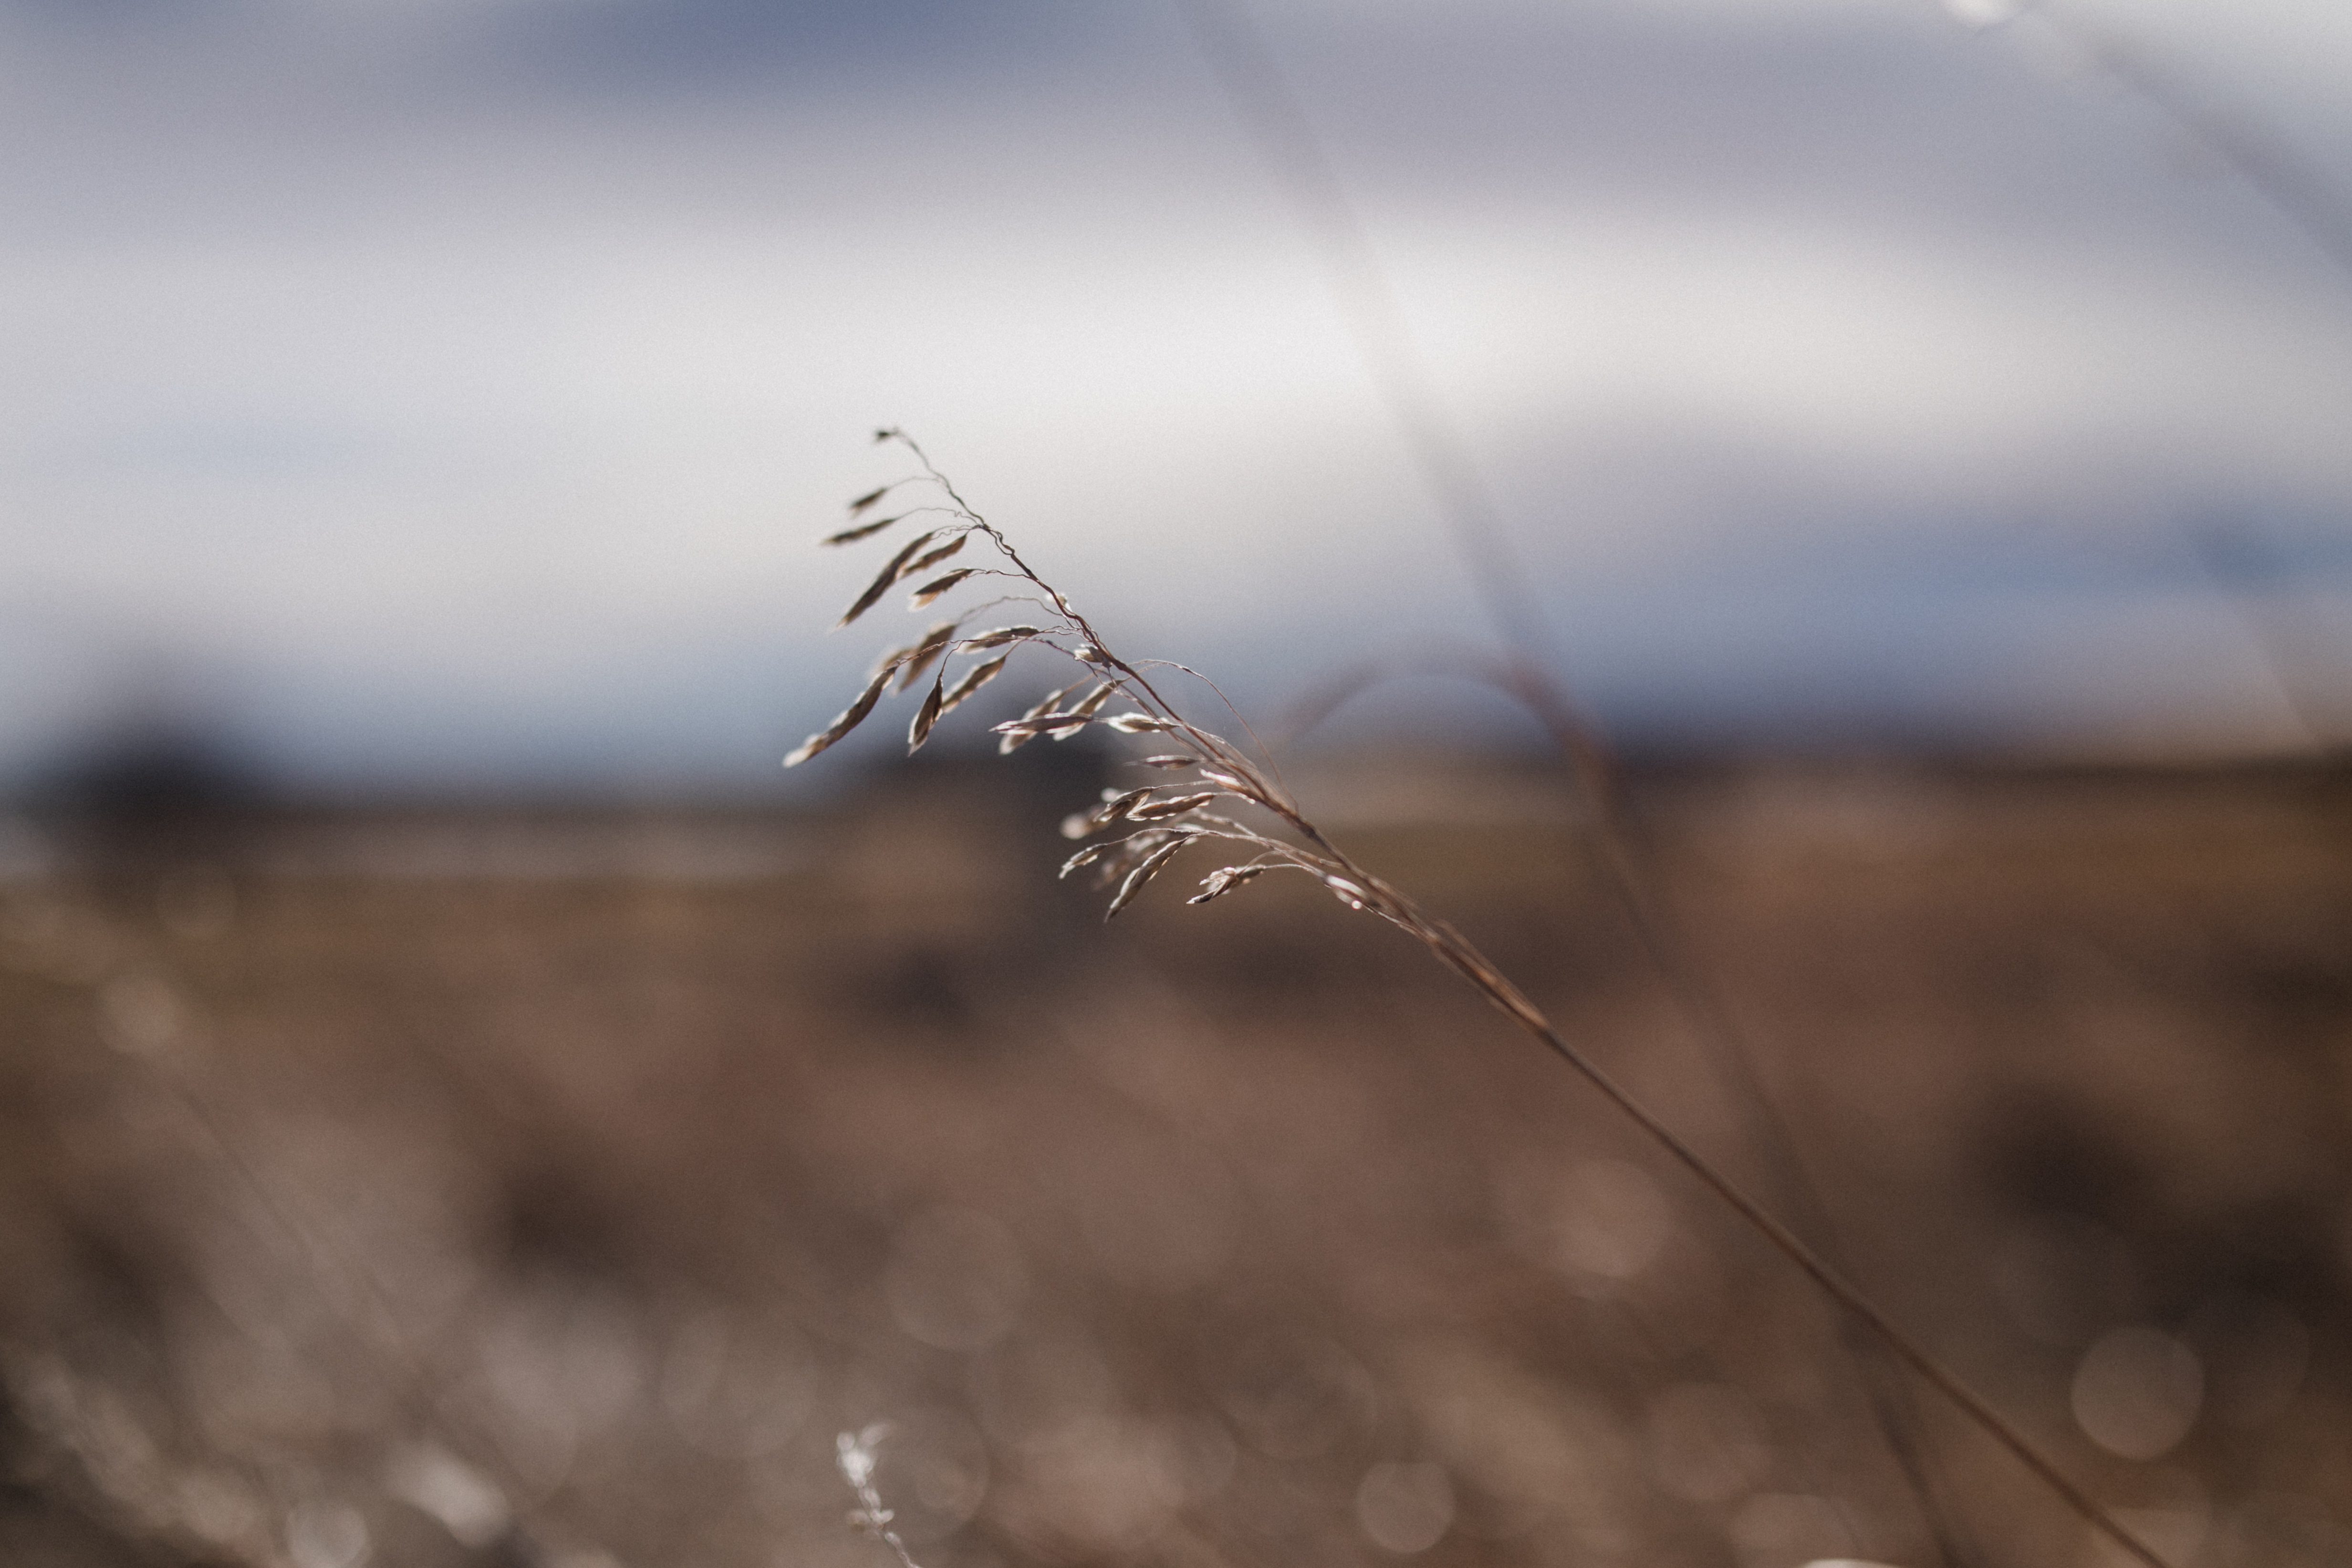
x: 1465, y: 960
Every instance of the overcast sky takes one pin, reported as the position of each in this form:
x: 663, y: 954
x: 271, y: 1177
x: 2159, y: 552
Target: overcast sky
x: 445, y: 393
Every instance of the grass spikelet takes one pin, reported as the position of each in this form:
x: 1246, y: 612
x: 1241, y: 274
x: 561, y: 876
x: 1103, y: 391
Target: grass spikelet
x: 898, y: 569
x: 1141, y: 875
x: 862, y: 530
x: 911, y: 661
x: 1157, y: 810
x: 1085, y: 857
x: 932, y: 557
x: 1011, y: 737
x: 1041, y: 724
x: 1059, y: 726
x: 851, y: 717
x: 1115, y: 805
x: 937, y: 586
x: 1224, y: 879
x: 1120, y: 803
x: 997, y: 638
x: 1169, y: 759
x: 919, y: 731
x: 1087, y: 709
x: 1127, y: 852
x: 1139, y: 724
x: 973, y: 679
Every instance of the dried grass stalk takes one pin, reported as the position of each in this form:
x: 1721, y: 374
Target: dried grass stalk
x: 1287, y: 839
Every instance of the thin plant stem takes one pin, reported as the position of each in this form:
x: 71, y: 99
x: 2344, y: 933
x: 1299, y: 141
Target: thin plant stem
x: 1637, y: 885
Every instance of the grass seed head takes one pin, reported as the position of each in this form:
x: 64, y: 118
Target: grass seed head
x: 1120, y: 803
x: 937, y: 586
x: 997, y: 638
x: 919, y: 731
x: 974, y: 678
x: 850, y: 718
x: 1085, y: 857
x: 891, y: 574
x: 1013, y: 735
x: 1142, y: 874
x: 1157, y: 810
x: 912, y: 659
x: 1090, y: 706
x: 932, y: 557
x: 1219, y: 882
x: 849, y: 536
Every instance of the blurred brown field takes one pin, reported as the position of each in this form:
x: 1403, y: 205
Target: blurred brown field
x: 467, y: 1187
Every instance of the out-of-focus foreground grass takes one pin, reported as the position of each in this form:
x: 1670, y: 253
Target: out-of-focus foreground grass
x: 452, y: 1188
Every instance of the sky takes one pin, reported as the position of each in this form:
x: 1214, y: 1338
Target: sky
x: 442, y: 395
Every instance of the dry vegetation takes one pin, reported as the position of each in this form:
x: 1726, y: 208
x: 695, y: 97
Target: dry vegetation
x: 450, y: 1189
